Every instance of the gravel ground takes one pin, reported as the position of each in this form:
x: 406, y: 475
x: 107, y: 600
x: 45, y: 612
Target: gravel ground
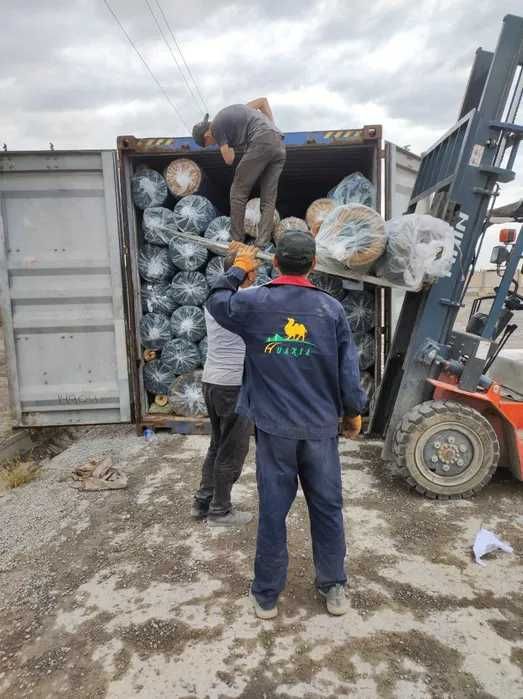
x: 119, y: 594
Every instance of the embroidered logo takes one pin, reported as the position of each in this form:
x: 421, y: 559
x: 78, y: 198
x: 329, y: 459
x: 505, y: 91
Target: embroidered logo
x: 293, y: 343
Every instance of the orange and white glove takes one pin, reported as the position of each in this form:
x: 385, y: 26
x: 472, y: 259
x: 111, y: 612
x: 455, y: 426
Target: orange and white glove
x: 351, y: 426
x: 245, y: 256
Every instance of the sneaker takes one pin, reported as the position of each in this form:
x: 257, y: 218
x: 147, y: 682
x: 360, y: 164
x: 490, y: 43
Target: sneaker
x: 231, y: 519
x: 260, y: 612
x: 337, y: 602
x: 199, y: 510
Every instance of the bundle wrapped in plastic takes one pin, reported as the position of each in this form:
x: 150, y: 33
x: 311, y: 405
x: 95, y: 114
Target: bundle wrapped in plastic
x: 154, y: 264
x: 202, y: 348
x: 157, y: 298
x: 188, y: 322
x: 214, y: 270
x: 332, y: 285
x: 158, y: 225
x: 291, y: 223
x: 263, y: 276
x: 158, y: 377
x: 354, y: 189
x: 155, y: 330
x: 253, y: 216
x: 318, y: 212
x: 369, y: 386
x: 354, y: 235
x: 366, y: 351
x: 183, y: 177
x: 193, y: 214
x: 148, y: 188
x: 181, y: 355
x: 419, y: 248
x: 190, y: 288
x: 186, y: 395
x: 359, y: 308
x: 219, y: 229
x: 186, y: 255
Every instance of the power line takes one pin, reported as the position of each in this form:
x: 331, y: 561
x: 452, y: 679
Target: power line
x: 204, y: 103
x: 153, y: 76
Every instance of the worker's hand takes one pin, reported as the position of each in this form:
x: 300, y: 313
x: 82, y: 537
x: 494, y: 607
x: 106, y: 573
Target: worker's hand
x: 351, y: 427
x: 245, y: 256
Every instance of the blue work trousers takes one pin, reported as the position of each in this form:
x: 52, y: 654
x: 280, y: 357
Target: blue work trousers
x: 279, y: 464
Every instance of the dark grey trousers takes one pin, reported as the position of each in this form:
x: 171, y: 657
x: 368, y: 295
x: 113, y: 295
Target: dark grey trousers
x: 227, y: 451
x: 264, y: 160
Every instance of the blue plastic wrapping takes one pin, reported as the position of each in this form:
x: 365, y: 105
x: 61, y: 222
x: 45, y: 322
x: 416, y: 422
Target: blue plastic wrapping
x: 181, y: 355
x: 354, y: 189
x: 263, y: 276
x: 155, y: 330
x: 186, y: 395
x: 193, y: 214
x: 359, y: 308
x: 202, y: 347
x: 219, y: 229
x: 332, y: 285
x: 369, y: 386
x: 366, y: 351
x: 158, y: 225
x: 186, y: 255
x: 253, y: 216
x: 157, y: 298
x: 190, y: 288
x: 148, y: 188
x: 188, y: 322
x: 214, y: 269
x: 158, y: 378
x: 154, y: 264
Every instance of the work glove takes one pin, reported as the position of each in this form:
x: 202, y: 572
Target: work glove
x: 351, y: 426
x: 245, y: 256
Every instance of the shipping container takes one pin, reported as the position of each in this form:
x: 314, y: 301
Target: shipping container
x: 70, y: 289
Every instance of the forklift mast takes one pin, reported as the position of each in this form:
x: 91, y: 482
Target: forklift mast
x: 457, y: 179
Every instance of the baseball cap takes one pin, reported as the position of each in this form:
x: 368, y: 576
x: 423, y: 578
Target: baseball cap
x: 199, y: 129
x: 296, y: 246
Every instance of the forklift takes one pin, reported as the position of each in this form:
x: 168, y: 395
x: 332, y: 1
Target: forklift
x: 450, y: 405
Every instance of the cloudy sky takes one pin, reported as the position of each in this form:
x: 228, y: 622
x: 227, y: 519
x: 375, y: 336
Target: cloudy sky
x: 68, y: 74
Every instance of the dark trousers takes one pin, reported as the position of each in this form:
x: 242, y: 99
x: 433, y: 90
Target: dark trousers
x: 263, y: 159
x: 279, y: 464
x: 227, y: 451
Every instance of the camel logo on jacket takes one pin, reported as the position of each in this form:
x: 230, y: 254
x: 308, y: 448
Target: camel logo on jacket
x: 292, y: 343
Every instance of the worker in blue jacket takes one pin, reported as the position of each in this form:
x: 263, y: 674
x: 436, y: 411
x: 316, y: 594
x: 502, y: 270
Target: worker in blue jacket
x: 301, y: 376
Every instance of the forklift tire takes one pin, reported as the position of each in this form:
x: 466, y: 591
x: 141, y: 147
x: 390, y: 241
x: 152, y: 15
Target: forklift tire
x: 446, y: 450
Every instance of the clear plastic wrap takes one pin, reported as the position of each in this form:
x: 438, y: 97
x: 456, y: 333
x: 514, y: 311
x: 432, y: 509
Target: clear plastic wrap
x: 181, y: 355
x: 326, y: 282
x: 369, y: 385
x: 190, y: 288
x: 193, y: 214
x: 419, y: 248
x: 186, y: 395
x: 253, y: 216
x: 318, y: 212
x: 183, y: 177
x: 354, y: 235
x: 188, y: 322
x: 366, y: 351
x: 214, y: 269
x: 202, y: 348
x: 354, y: 189
x: 359, y: 308
x: 263, y: 276
x: 291, y: 223
x: 155, y: 330
x: 148, y: 188
x: 154, y: 264
x: 219, y: 229
x: 186, y: 255
x: 157, y: 298
x: 158, y: 378
x: 158, y: 225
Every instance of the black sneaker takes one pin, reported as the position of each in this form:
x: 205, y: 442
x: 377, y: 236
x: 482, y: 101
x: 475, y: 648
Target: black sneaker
x: 199, y: 510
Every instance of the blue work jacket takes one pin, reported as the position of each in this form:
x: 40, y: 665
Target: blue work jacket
x: 301, y: 366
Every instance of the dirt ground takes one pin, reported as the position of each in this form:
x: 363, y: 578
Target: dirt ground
x: 121, y: 595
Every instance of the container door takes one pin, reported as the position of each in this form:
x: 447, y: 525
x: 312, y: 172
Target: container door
x: 61, y: 288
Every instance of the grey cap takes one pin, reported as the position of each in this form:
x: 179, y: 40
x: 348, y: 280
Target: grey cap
x: 296, y: 246
x: 199, y: 129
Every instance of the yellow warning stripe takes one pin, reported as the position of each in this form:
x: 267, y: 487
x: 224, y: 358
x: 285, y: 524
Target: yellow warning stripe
x: 353, y: 133
x: 155, y: 142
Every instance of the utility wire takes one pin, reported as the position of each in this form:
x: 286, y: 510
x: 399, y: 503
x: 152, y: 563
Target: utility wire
x: 153, y: 76
x: 204, y: 103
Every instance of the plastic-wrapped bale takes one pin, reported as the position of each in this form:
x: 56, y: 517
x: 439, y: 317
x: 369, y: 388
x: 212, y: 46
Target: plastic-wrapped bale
x: 148, y: 188
x: 219, y: 229
x: 354, y: 235
x: 158, y: 225
x: 202, y: 347
x: 190, y: 288
x: 154, y: 264
x: 186, y: 395
x: 157, y: 377
x: 332, y: 285
x: 366, y: 352
x: 181, y: 355
x: 359, y: 308
x: 368, y: 384
x: 263, y: 276
x: 186, y: 255
x: 188, y: 322
x: 253, y: 216
x: 155, y: 330
x: 318, y: 212
x: 193, y: 214
x: 158, y: 298
x: 419, y: 248
x: 291, y: 223
x: 354, y: 189
x: 183, y: 177
x: 214, y: 270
